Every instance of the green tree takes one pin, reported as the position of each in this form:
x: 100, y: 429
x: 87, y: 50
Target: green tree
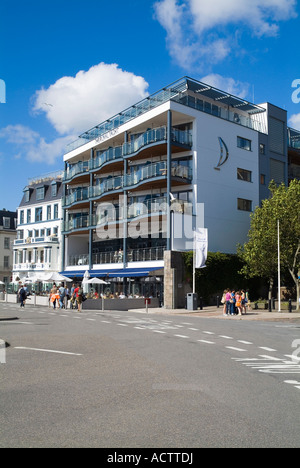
x: 260, y: 252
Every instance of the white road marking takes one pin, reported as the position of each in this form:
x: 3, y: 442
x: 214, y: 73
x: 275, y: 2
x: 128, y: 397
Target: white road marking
x: 206, y: 342
x: 181, y: 336
x: 47, y: 351
x: 236, y: 349
x: 226, y: 337
x: 271, y: 350
x: 245, y: 342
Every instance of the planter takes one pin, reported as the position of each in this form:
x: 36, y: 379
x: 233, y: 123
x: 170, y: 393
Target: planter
x: 262, y: 305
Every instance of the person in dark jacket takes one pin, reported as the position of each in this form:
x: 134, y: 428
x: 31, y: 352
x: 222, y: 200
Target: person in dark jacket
x: 22, y: 296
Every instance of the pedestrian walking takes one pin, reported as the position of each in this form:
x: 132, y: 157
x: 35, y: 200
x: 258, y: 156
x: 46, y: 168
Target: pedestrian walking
x: 22, y: 296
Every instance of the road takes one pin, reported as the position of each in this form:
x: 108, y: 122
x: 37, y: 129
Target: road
x: 122, y: 379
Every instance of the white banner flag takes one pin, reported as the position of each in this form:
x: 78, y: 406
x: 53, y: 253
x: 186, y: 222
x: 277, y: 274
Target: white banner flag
x: 201, y: 247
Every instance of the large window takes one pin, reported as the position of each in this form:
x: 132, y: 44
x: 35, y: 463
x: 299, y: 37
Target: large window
x: 40, y: 193
x: 243, y: 143
x: 38, y: 214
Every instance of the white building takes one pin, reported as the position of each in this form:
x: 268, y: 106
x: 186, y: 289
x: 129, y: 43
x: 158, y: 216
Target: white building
x: 37, y: 247
x: 212, y: 152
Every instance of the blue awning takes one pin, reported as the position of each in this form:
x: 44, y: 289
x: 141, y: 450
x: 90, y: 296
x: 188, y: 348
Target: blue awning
x: 120, y: 273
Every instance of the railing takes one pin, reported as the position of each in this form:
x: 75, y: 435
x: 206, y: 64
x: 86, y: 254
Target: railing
x: 76, y: 169
x: 152, y: 136
x: 136, y: 255
x: 79, y: 260
x: 78, y: 195
x: 36, y: 240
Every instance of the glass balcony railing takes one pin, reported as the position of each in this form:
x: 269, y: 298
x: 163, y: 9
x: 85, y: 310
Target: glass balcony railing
x: 152, y: 136
x: 144, y: 173
x: 79, y: 195
x: 158, y: 170
x: 133, y: 255
x: 77, y: 169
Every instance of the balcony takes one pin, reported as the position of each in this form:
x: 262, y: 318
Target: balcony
x: 135, y: 255
x: 119, y: 153
x: 37, y: 240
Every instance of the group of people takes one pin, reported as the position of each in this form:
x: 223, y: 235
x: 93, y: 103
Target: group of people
x: 62, y: 295
x: 235, y: 302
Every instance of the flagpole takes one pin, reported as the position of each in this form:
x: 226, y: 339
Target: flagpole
x: 194, y: 266
x: 279, y: 276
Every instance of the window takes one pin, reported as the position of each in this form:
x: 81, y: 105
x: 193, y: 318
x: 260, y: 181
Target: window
x: 27, y: 195
x: 244, y: 205
x: 38, y: 214
x: 48, y: 232
x: 6, y: 262
x: 55, y: 211
x: 6, y: 243
x: 48, y: 212
x: 54, y: 190
x: 243, y: 174
x: 243, y: 143
x: 262, y: 179
x: 262, y: 149
x: 42, y: 233
x: 22, y: 217
x: 28, y: 216
x: 40, y: 193
x: 36, y: 233
x: 6, y: 223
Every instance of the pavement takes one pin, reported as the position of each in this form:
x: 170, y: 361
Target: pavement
x: 207, y: 312
x: 214, y: 312
x: 10, y: 312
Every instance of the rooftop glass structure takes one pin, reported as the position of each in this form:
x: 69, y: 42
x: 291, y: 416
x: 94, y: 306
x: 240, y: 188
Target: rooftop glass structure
x: 293, y: 138
x: 191, y: 93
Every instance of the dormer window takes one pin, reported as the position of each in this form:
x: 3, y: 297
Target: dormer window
x: 27, y: 195
x: 54, y: 189
x: 40, y: 193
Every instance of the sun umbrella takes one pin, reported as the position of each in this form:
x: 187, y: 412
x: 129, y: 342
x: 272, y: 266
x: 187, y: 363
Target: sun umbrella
x: 57, y: 277
x: 1, y: 282
x: 96, y: 281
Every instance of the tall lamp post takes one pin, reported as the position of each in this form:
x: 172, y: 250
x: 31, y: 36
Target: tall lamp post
x: 279, y: 274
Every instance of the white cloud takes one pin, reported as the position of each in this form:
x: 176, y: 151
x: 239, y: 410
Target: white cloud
x: 31, y: 146
x: 75, y: 104
x: 196, y: 29
x: 294, y: 121
x: 231, y: 86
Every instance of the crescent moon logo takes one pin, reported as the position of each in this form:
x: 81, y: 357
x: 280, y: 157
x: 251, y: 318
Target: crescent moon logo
x: 224, y: 155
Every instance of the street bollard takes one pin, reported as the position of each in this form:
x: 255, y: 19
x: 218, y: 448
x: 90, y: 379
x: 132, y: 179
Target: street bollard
x: 290, y: 306
x: 218, y: 302
x: 201, y: 303
x: 270, y: 305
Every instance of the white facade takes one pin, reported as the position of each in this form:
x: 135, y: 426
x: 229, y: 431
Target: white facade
x: 223, y: 158
x: 37, y: 247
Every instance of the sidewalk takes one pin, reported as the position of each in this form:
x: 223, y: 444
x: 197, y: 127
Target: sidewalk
x: 214, y: 312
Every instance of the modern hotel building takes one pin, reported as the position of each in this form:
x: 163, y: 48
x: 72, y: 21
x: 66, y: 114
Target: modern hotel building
x: 136, y: 185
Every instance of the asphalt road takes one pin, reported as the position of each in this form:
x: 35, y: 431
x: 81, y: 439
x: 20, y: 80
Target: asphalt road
x: 120, y: 379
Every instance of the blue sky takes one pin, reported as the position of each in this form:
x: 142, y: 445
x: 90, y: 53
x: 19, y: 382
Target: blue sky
x: 69, y: 65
